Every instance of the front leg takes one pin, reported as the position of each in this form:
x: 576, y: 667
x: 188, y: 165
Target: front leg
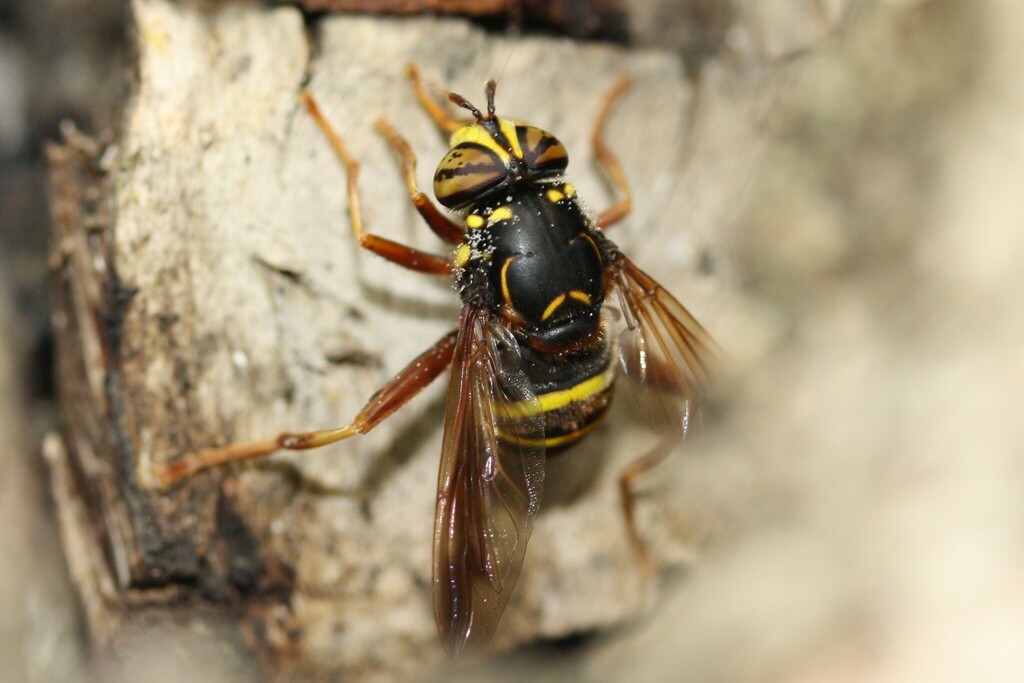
x: 403, y: 255
x: 438, y: 222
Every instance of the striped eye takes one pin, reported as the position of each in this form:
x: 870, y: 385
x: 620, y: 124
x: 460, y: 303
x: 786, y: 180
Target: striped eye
x: 542, y: 152
x: 467, y: 171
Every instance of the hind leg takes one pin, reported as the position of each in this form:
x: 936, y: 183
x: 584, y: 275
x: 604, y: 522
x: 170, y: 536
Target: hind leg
x: 634, y: 471
x: 392, y: 396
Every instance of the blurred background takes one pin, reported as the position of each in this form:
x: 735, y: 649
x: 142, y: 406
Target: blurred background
x: 59, y: 60
x: 865, y: 479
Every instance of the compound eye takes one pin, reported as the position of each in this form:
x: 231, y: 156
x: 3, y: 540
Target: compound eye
x: 542, y: 152
x: 466, y: 172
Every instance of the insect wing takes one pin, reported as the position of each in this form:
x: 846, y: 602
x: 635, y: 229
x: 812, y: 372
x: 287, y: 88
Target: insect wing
x: 489, y: 485
x: 663, y: 347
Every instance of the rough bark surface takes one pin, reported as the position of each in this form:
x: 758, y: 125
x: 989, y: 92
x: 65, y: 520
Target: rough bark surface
x: 209, y: 290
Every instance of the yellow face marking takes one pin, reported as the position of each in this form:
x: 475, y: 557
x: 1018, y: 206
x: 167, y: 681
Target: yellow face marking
x: 474, y: 221
x: 552, y: 307
x: 560, y: 399
x: 582, y: 297
x: 509, y: 130
x: 505, y: 294
x: 555, y: 196
x: 476, y: 133
x: 462, y: 254
x: 569, y: 189
x: 502, y: 213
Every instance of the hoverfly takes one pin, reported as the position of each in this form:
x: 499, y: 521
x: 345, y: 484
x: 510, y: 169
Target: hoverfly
x: 531, y: 360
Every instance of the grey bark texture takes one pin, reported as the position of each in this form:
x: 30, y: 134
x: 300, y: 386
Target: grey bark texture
x: 210, y: 290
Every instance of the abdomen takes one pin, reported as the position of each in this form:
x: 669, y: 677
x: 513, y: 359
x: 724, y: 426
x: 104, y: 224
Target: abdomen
x: 573, y: 390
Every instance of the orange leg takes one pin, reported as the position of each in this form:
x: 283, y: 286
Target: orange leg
x: 635, y: 470
x: 620, y: 209
x: 442, y: 118
x: 392, y: 396
x: 405, y: 256
x: 438, y: 222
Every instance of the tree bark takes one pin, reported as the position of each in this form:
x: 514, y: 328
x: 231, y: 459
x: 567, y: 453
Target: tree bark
x: 209, y: 289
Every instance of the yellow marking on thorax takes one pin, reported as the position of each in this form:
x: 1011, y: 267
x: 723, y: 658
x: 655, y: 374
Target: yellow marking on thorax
x: 474, y: 221
x: 582, y: 297
x: 462, y: 254
x: 505, y: 294
x: 593, y: 244
x: 552, y: 307
x: 502, y: 213
x: 569, y: 189
x: 555, y: 196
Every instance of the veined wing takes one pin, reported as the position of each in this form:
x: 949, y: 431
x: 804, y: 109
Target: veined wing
x: 489, y: 484
x: 664, y: 347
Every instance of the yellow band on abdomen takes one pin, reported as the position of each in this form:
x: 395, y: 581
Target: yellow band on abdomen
x: 553, y: 400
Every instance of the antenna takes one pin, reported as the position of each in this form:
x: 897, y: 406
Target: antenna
x: 465, y: 104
